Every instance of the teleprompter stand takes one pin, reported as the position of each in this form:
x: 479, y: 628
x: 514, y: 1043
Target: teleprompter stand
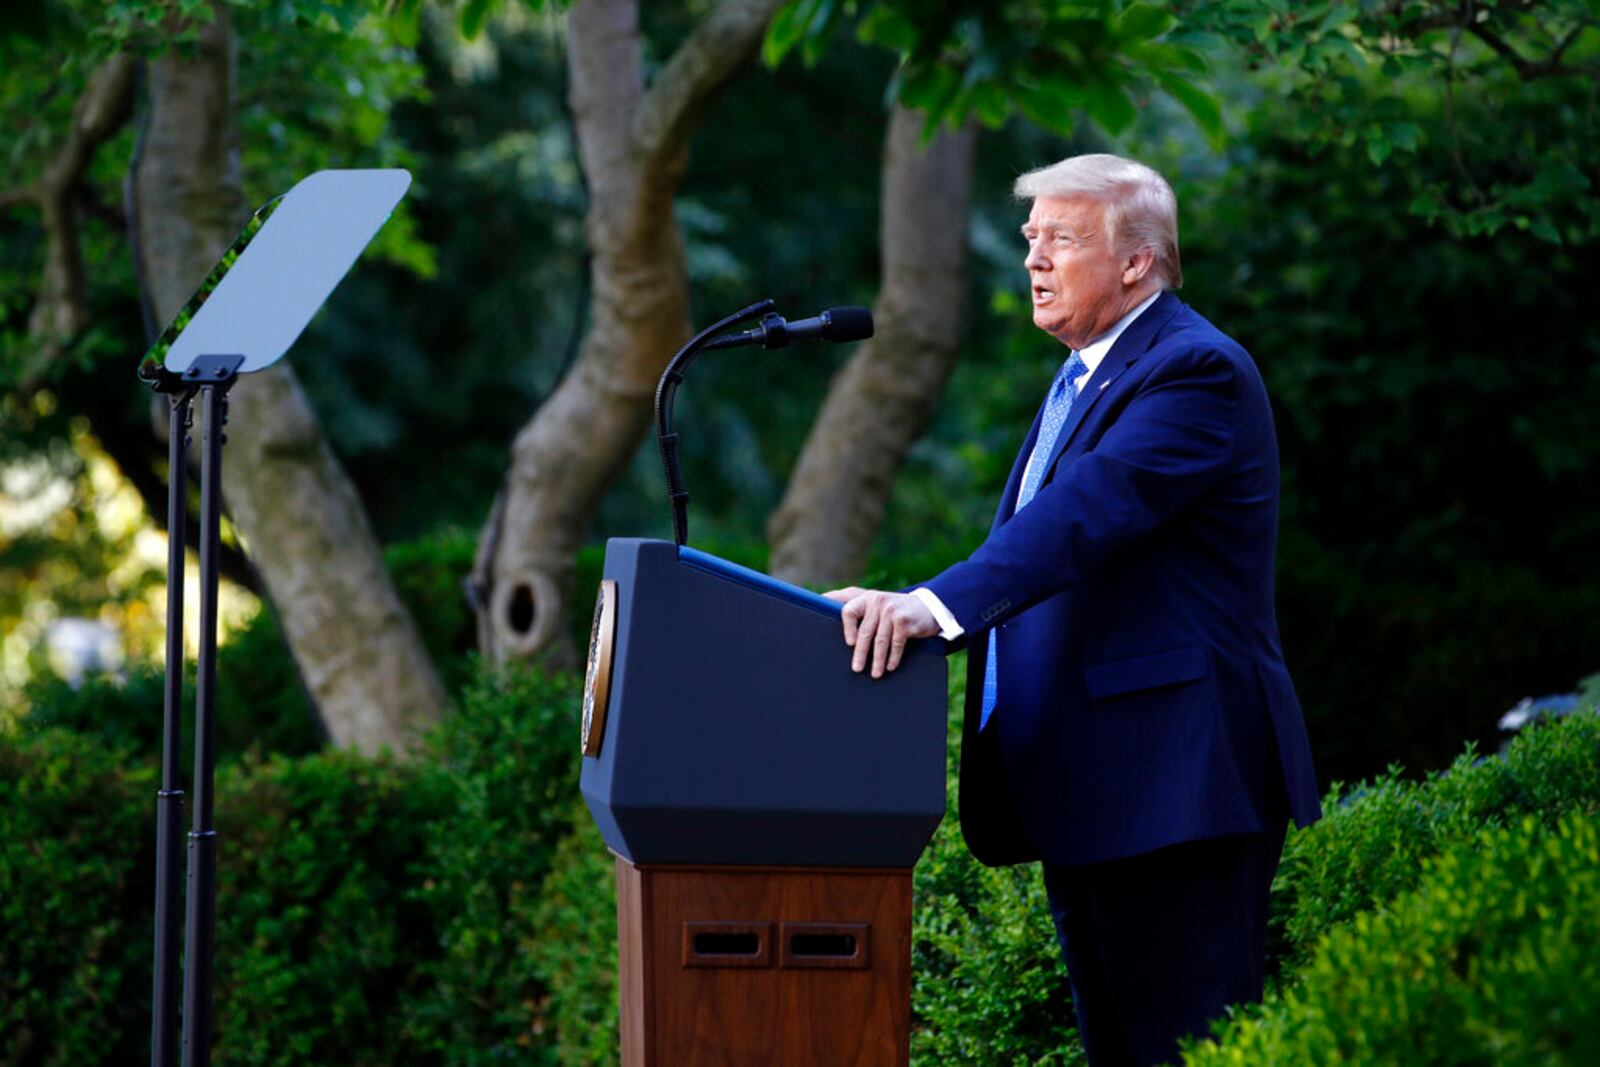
x: 209, y: 377
x: 244, y: 317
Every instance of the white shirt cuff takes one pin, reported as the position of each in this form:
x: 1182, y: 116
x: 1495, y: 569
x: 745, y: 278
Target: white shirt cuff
x: 949, y: 629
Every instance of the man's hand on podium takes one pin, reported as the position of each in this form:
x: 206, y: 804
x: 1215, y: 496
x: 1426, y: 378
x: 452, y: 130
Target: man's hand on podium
x: 879, y: 624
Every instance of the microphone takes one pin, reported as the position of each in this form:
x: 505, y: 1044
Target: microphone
x: 774, y: 331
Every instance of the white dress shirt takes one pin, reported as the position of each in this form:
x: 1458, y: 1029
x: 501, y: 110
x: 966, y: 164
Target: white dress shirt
x: 1092, y: 355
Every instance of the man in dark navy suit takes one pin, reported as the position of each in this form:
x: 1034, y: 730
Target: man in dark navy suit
x: 1129, y: 721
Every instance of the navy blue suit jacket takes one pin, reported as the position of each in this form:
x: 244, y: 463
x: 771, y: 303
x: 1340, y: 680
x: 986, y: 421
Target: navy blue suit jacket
x: 1143, y: 698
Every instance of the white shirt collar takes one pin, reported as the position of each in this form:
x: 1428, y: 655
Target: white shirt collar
x: 1095, y: 351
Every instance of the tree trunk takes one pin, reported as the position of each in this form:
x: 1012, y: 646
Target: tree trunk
x: 298, y: 514
x: 633, y: 143
x: 882, y: 399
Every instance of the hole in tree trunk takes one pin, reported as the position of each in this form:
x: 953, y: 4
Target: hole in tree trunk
x: 519, y: 612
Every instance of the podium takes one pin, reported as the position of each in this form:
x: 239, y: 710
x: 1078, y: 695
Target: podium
x: 765, y: 805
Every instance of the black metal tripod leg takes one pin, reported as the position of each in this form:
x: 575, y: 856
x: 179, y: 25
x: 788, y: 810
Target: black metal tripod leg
x: 169, y: 800
x: 200, y: 929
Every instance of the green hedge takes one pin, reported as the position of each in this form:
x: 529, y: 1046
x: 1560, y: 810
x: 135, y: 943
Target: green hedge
x: 261, y: 705
x: 1371, y: 845
x: 1493, y: 958
x: 509, y: 761
x: 573, y: 946
x: 990, y: 986
x: 989, y: 983
x: 368, y: 912
x: 459, y: 909
x: 76, y: 886
x: 321, y: 937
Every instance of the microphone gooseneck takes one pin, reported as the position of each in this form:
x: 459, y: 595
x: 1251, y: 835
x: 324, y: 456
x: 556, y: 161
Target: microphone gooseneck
x: 840, y: 324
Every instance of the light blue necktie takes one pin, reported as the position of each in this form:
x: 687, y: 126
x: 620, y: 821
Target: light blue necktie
x: 1062, y: 393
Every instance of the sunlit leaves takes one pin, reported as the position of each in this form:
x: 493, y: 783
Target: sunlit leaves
x: 1055, y: 63
x: 1493, y: 98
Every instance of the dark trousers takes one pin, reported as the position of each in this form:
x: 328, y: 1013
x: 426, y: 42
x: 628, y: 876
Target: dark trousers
x: 1158, y: 945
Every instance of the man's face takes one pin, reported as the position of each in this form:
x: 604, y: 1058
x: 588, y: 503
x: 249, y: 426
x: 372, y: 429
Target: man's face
x: 1077, y: 280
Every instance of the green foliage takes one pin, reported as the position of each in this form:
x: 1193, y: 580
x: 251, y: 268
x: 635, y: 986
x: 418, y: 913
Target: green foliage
x: 509, y: 759
x: 1493, y: 958
x: 1049, y: 62
x: 76, y: 880
x: 261, y: 704
x: 368, y: 912
x: 261, y: 700
x: 430, y: 574
x: 990, y: 986
x: 574, y: 949
x: 989, y: 979
x: 1492, y: 102
x: 1372, y: 844
x: 322, y: 942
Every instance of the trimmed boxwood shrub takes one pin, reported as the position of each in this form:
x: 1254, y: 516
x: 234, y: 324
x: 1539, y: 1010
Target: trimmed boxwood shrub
x: 1371, y: 845
x: 321, y: 940
x: 368, y: 912
x: 988, y: 982
x: 76, y: 887
x: 572, y: 944
x: 261, y: 705
x: 1493, y: 958
x: 509, y: 760
x: 989, y: 985
x: 459, y: 909
x: 428, y: 574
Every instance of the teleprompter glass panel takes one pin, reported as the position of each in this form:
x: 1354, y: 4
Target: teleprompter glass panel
x: 279, y: 271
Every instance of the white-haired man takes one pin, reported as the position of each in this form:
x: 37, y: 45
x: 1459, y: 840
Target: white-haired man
x: 1130, y: 721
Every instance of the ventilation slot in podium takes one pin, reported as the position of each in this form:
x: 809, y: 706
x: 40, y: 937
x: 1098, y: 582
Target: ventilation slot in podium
x: 834, y: 946
x: 727, y: 944
x: 826, y: 945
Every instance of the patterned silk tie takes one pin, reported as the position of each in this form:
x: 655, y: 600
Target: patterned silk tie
x: 1062, y: 393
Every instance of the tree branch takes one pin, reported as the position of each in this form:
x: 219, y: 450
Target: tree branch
x: 1465, y: 19
x: 1529, y: 70
x: 1566, y: 42
x: 59, y: 312
x: 22, y: 194
x: 712, y: 55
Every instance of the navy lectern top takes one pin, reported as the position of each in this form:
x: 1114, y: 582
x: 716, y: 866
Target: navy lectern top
x: 735, y: 732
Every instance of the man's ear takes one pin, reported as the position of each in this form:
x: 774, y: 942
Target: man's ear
x: 1137, y: 266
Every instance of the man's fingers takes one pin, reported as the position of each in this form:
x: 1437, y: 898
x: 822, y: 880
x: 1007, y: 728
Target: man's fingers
x: 853, y: 610
x: 870, y: 620
x: 887, y: 624
x: 848, y: 593
x: 897, y: 647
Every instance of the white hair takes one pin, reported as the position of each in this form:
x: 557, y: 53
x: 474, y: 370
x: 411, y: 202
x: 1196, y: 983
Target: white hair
x: 1141, y: 208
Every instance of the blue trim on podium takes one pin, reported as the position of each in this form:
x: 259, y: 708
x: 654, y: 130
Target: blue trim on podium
x: 756, y: 580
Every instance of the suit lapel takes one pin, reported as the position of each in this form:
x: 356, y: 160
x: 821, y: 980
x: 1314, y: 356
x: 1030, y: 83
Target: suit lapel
x: 1134, y: 342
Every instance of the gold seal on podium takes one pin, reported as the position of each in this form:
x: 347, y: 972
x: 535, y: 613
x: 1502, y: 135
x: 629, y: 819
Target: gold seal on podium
x: 597, y: 676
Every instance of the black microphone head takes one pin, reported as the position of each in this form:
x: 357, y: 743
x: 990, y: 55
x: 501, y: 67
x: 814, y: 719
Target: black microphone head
x: 848, y: 324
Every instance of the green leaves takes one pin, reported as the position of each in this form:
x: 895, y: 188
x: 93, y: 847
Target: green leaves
x: 1491, y: 959
x: 1142, y: 22
x: 1058, y: 64
x: 1483, y: 95
x: 804, y: 24
x: 1203, y: 107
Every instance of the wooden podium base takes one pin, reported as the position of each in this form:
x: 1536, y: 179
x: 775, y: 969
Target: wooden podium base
x: 764, y: 966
